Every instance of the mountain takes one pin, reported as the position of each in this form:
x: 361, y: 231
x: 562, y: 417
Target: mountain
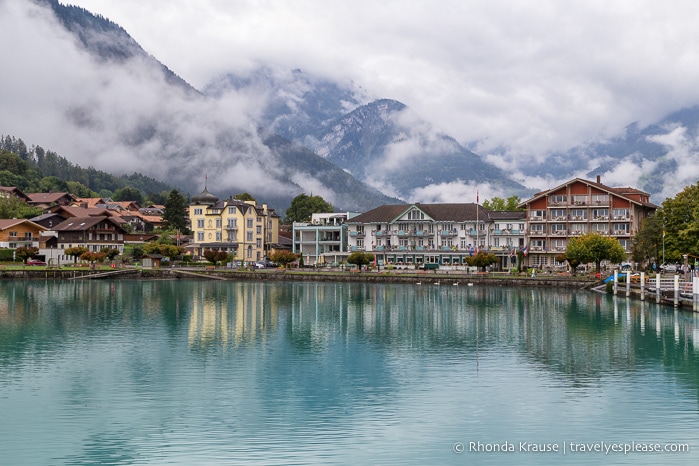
x: 661, y: 158
x: 110, y: 105
x: 384, y: 144
x: 380, y: 141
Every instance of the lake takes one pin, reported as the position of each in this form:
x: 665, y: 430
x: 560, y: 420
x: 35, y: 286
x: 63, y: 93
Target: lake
x: 220, y: 373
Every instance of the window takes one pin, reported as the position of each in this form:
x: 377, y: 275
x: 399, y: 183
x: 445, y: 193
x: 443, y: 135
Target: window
x: 200, y: 223
x: 600, y: 214
x: 218, y: 223
x: 259, y: 242
x: 249, y: 223
x: 197, y: 211
x: 558, y: 228
x: 558, y: 214
x: 259, y: 229
x: 558, y: 199
x: 578, y: 214
x: 538, y: 245
x: 13, y: 234
x: 538, y: 214
x: 218, y: 236
x: 620, y: 228
x: 620, y: 214
x: 232, y: 223
x: 416, y: 215
x: 249, y: 236
x: 600, y: 199
x: 360, y: 243
x: 538, y: 228
x: 231, y: 211
x: 200, y: 236
x: 259, y: 219
x: 578, y: 228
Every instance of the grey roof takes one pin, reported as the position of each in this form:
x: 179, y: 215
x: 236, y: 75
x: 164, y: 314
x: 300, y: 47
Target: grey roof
x: 204, y: 197
x: 508, y: 214
x: 436, y: 212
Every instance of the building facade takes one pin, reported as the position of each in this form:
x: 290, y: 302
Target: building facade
x: 16, y: 233
x: 578, y: 207
x: 94, y: 233
x: 444, y: 234
x: 242, y: 228
x: 323, y: 240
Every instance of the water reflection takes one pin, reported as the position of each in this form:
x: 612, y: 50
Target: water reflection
x: 173, y: 371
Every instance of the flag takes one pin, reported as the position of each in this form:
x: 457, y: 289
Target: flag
x: 476, y: 196
x: 524, y: 250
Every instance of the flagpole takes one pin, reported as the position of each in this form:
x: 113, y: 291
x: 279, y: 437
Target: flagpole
x: 477, y: 222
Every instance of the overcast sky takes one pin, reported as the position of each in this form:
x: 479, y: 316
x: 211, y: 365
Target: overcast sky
x: 511, y: 80
x: 533, y: 76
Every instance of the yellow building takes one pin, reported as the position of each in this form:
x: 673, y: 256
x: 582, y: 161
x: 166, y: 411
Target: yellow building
x: 242, y: 228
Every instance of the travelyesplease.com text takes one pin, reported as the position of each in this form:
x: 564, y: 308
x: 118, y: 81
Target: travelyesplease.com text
x: 567, y: 447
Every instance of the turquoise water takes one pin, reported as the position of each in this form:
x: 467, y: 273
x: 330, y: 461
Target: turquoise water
x: 219, y: 373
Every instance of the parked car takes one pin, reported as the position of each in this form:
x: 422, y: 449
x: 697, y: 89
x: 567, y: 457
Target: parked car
x: 259, y: 265
x: 36, y: 262
x: 668, y: 268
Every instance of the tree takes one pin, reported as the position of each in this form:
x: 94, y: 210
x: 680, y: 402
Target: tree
x: 215, y: 256
x: 175, y: 213
x: 573, y: 263
x: 647, y: 243
x: 157, y: 198
x: 92, y: 257
x: 244, y: 197
x: 283, y: 258
x: 80, y: 190
x: 110, y: 253
x: 52, y: 184
x: 11, y: 207
x: 681, y: 224
x: 302, y: 206
x: 498, y: 203
x: 26, y: 252
x: 360, y: 258
x: 593, y: 247
x: 168, y: 250
x: 76, y: 252
x: 481, y: 260
x: 128, y: 193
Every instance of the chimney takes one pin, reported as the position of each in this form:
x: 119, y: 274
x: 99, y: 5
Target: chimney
x: 598, y: 179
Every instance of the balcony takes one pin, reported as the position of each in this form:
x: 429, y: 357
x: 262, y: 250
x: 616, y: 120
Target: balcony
x: 357, y: 234
x: 402, y: 233
x: 537, y: 219
x: 420, y: 233
x: 379, y: 233
x: 447, y: 233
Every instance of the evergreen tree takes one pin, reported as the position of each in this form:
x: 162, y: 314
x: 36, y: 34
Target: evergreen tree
x: 175, y: 214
